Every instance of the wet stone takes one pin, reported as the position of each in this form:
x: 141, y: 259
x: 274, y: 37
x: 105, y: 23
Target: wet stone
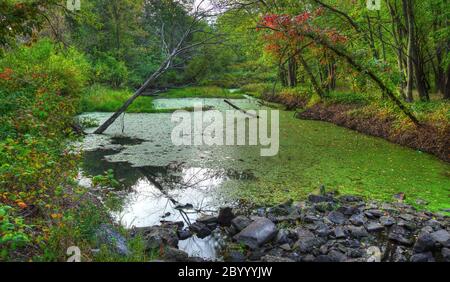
x: 257, y: 233
x: 336, y: 217
x: 442, y: 237
x: 387, y: 221
x: 200, y: 229
x: 358, y: 231
x: 374, y: 227
x: 240, y: 222
x: 339, y: 232
x: 423, y: 257
x: 319, y: 198
x: 400, y: 235
x: 358, y: 219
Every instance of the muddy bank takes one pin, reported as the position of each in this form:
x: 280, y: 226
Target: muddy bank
x: 324, y: 228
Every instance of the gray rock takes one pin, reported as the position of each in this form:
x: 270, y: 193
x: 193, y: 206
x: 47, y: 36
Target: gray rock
x: 240, y: 222
x: 200, y: 229
x: 348, y: 210
x: 407, y: 217
x: 157, y: 236
x: 442, y: 237
x: 323, y: 230
x: 257, y: 233
x: 350, y: 198
x: 358, y: 219
x: 175, y: 255
x: 235, y: 256
x: 184, y: 234
x: 336, y: 217
x: 358, y: 231
x: 269, y: 258
x: 422, y: 257
x: 400, y: 235
x: 374, y: 213
x: 339, y: 232
x: 286, y: 247
x: 282, y: 237
x: 115, y: 241
x: 374, y: 227
x: 319, y: 198
x: 424, y: 243
x: 225, y: 217
x: 307, y: 241
x: 387, y: 221
x: 337, y: 256
x: 445, y: 254
x: 207, y: 219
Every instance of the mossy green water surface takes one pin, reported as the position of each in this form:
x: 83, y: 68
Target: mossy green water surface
x: 311, y: 154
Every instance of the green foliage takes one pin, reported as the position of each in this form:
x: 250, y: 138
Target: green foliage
x: 106, y: 180
x: 12, y: 232
x: 203, y: 92
x: 338, y: 97
x: 111, y: 71
x: 100, y: 98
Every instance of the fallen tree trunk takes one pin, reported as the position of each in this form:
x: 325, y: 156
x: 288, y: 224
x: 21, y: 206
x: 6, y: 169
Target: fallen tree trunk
x: 241, y: 110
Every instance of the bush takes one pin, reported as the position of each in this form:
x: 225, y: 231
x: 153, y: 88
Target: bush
x: 111, y: 71
x: 40, y: 90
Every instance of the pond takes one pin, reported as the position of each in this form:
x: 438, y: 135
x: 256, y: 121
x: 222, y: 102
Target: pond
x: 165, y: 182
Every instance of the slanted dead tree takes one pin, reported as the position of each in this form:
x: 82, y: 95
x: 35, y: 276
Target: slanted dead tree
x: 199, y: 15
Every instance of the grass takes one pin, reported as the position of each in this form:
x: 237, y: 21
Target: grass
x: 102, y: 99
x: 203, y: 92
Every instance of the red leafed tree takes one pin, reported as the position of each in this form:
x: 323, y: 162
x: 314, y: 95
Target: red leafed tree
x: 291, y: 35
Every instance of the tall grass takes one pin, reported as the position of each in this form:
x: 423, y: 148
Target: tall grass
x: 203, y: 92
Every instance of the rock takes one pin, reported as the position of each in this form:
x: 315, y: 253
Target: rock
x: 337, y: 256
x: 358, y: 231
x: 399, y: 255
x: 350, y: 198
x: 406, y: 217
x: 207, y: 219
x: 355, y: 253
x: 358, y: 219
x: 200, y: 229
x: 225, y: 216
x: 157, y: 236
x: 348, y: 210
x: 407, y: 224
x: 257, y: 233
x: 184, y: 234
x: 286, y: 247
x: 115, y: 241
x: 172, y: 224
x: 174, y: 255
x: 269, y: 258
x: 305, y: 244
x: 282, y: 237
x: 235, y: 256
x: 442, y: 237
x: 399, y: 197
x: 339, y: 232
x: 240, y: 222
x: 399, y: 235
x: 308, y: 258
x: 422, y: 257
x: 374, y: 227
x: 424, y: 243
x: 323, y: 230
x: 336, y: 217
x: 387, y: 221
x: 446, y: 254
x: 319, y: 198
x: 374, y: 213
x: 436, y: 225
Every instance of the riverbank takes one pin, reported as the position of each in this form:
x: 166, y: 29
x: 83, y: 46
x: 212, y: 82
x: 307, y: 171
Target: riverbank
x: 324, y: 228
x: 371, y: 117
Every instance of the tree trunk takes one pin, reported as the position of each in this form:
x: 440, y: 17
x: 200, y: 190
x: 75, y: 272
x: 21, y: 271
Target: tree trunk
x: 410, y: 64
x: 314, y: 82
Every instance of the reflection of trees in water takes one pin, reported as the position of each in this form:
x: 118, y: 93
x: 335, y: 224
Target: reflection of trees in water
x: 187, y: 189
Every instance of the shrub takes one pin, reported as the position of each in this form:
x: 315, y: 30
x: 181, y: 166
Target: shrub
x: 111, y: 71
